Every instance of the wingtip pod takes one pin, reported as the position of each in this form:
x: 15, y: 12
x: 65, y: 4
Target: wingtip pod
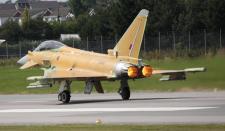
x: 143, y: 12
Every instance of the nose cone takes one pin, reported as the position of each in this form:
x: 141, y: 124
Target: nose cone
x: 23, y: 60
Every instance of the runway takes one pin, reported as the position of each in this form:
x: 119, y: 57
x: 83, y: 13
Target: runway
x: 143, y: 108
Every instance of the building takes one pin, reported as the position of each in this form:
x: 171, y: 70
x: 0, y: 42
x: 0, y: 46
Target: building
x: 48, y: 10
x: 70, y: 36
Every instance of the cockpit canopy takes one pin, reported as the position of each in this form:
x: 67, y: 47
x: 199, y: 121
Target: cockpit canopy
x: 49, y: 45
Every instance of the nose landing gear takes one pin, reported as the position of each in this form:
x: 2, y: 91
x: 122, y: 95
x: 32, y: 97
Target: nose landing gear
x: 64, y: 91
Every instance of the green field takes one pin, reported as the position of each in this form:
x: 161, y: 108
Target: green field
x: 13, y: 80
x: 115, y: 128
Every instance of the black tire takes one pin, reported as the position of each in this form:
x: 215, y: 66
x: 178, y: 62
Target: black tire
x: 65, y: 96
x: 60, y: 97
x: 125, y: 93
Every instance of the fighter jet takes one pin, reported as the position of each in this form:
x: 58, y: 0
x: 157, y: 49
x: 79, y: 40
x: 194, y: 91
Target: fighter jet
x: 63, y: 64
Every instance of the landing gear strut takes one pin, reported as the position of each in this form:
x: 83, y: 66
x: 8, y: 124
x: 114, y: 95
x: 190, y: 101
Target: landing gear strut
x: 64, y: 91
x: 124, y: 90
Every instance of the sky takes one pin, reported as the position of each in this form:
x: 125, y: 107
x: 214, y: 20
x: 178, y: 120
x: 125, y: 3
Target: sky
x: 2, y: 1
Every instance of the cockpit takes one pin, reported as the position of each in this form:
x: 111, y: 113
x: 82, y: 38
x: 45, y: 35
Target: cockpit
x: 49, y: 45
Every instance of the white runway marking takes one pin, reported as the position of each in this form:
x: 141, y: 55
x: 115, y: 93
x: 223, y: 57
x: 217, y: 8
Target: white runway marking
x: 161, y: 109
x: 26, y: 101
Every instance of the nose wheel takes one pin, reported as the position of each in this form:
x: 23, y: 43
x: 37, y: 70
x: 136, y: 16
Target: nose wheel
x: 64, y: 97
x: 64, y: 91
x: 124, y: 90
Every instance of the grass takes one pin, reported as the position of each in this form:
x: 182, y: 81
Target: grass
x: 13, y: 80
x: 115, y: 128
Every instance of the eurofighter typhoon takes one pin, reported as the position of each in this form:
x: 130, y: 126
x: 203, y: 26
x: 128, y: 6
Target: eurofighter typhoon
x: 63, y: 64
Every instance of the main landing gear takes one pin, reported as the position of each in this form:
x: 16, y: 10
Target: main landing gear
x: 64, y: 91
x: 124, y: 89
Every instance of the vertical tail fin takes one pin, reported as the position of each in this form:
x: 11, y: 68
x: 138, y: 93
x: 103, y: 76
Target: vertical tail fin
x: 130, y: 43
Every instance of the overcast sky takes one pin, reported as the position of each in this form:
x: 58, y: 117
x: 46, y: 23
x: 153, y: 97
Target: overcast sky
x: 2, y: 1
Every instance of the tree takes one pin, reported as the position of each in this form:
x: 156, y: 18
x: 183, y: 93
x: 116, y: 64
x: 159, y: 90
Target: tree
x: 215, y: 14
x: 195, y: 18
x: 164, y: 15
x: 37, y: 30
x: 11, y: 31
x: 79, y: 7
x: 25, y: 19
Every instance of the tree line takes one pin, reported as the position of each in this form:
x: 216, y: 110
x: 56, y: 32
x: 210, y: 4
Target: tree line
x: 111, y: 18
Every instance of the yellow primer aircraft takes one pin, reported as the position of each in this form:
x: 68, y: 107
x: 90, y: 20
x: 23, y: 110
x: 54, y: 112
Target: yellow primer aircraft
x: 63, y: 64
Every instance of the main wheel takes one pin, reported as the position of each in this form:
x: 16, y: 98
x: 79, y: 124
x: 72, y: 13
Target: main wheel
x: 64, y: 97
x: 125, y: 93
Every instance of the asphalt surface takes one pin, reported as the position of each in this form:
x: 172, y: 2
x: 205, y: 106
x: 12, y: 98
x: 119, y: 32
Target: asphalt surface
x: 143, y: 108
